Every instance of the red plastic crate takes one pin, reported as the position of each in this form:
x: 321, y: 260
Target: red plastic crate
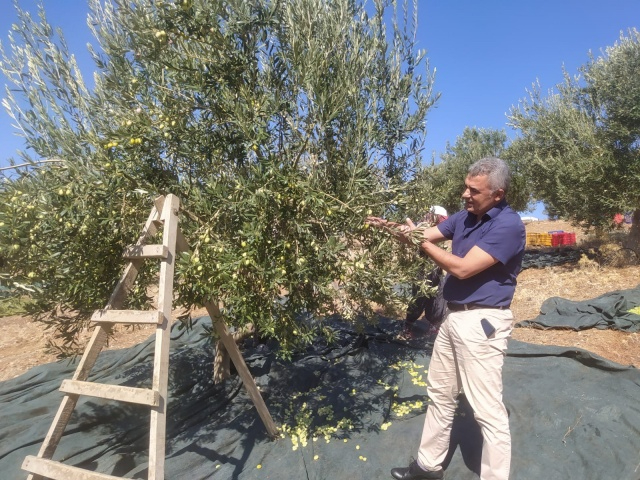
x: 569, y: 239
x: 562, y: 238
x: 557, y: 239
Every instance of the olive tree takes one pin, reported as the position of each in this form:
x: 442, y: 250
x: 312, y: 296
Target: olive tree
x: 580, y: 143
x: 279, y: 124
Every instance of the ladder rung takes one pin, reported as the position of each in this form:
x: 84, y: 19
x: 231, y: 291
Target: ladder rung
x: 146, y: 251
x: 59, y: 471
x: 143, y: 396
x: 130, y: 317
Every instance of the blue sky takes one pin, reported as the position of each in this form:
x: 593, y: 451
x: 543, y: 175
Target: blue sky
x: 486, y: 54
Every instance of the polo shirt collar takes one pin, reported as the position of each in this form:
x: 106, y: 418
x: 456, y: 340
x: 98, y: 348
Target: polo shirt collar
x: 492, y: 213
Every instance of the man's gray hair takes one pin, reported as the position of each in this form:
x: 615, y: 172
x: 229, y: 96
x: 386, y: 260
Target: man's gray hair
x: 495, y: 169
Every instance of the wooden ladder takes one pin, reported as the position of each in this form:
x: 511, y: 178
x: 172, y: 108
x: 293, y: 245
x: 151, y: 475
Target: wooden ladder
x: 164, y: 214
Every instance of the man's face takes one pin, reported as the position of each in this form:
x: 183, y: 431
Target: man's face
x: 478, y: 197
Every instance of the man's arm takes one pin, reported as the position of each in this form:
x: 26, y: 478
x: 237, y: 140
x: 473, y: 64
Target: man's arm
x: 433, y: 234
x: 474, y: 262
x: 401, y: 230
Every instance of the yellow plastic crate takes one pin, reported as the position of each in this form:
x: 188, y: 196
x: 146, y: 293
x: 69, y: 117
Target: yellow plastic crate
x: 545, y: 239
x: 532, y: 239
x: 539, y: 239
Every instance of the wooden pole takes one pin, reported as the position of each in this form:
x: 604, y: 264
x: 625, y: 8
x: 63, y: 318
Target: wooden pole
x: 232, y: 348
x: 160, y: 381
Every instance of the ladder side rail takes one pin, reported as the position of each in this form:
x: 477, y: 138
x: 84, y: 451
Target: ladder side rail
x: 158, y: 422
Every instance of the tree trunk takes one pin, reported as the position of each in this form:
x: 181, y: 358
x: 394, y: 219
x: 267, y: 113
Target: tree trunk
x: 633, y: 240
x: 221, y: 361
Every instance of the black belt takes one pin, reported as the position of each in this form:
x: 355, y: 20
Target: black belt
x: 457, y: 307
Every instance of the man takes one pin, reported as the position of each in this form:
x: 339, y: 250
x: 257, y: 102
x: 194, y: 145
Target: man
x: 488, y: 240
x: 433, y: 306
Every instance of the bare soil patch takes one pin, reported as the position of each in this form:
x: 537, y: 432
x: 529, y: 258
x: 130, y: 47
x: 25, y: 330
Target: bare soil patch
x: 23, y: 344
x: 23, y: 341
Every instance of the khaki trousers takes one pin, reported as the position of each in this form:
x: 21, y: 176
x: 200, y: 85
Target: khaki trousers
x: 465, y: 359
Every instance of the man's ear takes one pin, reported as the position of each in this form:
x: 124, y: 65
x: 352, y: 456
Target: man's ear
x: 499, y: 194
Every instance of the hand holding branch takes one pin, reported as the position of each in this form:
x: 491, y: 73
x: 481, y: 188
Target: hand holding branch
x: 406, y: 233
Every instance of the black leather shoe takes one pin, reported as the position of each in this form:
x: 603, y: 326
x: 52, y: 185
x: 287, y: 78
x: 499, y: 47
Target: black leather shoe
x: 414, y: 472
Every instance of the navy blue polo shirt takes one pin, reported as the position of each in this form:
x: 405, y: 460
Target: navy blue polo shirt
x: 501, y: 234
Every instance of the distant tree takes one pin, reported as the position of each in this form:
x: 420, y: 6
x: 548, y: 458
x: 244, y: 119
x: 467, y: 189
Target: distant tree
x: 581, y: 144
x: 279, y: 124
x: 551, y: 213
x: 443, y: 183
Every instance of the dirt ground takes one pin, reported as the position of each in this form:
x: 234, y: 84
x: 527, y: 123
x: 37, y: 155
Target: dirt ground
x: 23, y: 341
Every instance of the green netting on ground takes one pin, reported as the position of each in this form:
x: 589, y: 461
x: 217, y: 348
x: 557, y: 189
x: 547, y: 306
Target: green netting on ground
x: 611, y: 310
x: 573, y: 415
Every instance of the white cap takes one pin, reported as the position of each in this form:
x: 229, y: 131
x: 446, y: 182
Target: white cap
x: 438, y: 210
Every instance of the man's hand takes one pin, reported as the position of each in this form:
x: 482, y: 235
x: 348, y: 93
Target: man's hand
x: 402, y: 231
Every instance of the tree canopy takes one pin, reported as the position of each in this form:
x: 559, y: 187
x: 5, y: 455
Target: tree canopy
x: 279, y: 124
x: 580, y: 145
